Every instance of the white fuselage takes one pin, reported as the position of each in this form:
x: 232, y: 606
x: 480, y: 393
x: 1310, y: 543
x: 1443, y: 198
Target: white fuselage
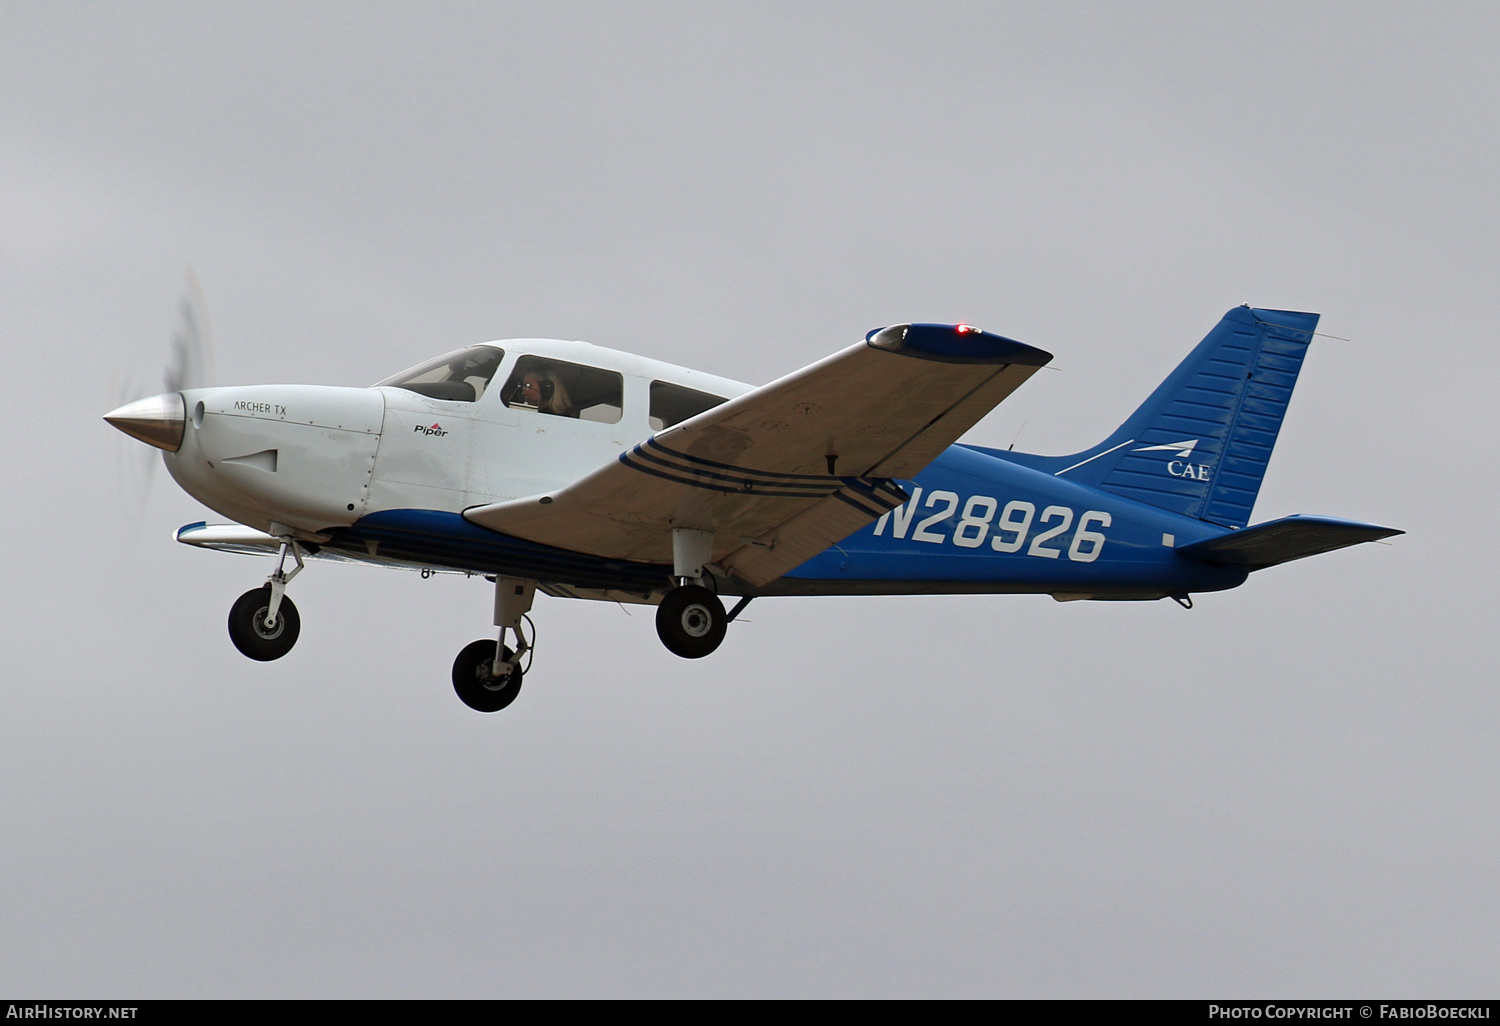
x: 313, y: 457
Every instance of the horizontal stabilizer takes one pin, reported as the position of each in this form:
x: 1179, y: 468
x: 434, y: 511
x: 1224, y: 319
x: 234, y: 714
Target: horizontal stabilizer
x: 1281, y: 541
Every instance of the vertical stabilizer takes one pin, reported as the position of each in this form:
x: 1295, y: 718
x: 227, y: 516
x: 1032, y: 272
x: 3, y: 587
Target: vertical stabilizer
x: 1200, y: 443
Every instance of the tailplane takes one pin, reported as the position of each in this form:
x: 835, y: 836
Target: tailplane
x: 1281, y: 541
x: 1200, y: 444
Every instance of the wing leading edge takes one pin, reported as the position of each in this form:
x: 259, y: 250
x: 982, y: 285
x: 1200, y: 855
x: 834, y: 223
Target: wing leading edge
x: 784, y: 471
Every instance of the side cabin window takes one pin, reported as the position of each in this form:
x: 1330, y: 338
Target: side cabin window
x: 565, y: 390
x: 673, y: 404
x: 457, y: 377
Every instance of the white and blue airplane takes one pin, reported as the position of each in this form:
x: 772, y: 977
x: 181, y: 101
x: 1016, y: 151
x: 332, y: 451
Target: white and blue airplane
x: 589, y: 473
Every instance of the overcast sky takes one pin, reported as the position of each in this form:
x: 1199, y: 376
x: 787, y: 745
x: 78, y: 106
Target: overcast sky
x: 1290, y: 790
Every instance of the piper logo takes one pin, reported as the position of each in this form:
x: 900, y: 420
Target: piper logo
x: 1183, y: 465
x: 434, y: 430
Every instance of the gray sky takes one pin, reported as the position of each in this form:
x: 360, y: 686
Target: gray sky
x: 1288, y: 791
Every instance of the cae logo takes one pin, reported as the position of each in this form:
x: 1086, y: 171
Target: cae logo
x: 434, y: 430
x: 1195, y: 471
x: 1181, y: 467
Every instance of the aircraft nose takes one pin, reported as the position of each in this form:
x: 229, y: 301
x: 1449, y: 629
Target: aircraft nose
x: 159, y: 420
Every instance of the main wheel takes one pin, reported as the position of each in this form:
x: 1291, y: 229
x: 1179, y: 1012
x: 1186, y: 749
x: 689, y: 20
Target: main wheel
x: 475, y: 682
x: 248, y: 630
x: 691, y: 621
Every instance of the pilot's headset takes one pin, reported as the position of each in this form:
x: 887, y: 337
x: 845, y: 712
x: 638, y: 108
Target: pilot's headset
x: 546, y: 388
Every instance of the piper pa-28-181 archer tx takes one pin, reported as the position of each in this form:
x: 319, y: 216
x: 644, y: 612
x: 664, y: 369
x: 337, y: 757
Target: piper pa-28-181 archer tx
x: 589, y: 473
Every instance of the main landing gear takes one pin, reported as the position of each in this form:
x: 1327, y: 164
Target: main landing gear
x: 487, y: 674
x: 478, y: 685
x: 690, y: 619
x: 263, y: 622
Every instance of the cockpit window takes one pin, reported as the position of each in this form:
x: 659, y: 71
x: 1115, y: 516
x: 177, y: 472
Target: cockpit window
x: 565, y: 390
x: 673, y: 404
x: 457, y: 377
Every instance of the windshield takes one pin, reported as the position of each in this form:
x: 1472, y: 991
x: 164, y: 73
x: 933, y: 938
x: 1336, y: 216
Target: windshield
x: 460, y: 376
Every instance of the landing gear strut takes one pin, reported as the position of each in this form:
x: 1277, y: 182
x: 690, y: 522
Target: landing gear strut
x: 487, y: 674
x: 690, y: 620
x: 263, y: 622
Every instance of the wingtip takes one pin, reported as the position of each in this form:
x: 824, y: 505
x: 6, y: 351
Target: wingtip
x: 955, y: 343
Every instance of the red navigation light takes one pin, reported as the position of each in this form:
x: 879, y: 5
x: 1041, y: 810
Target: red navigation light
x: 964, y: 329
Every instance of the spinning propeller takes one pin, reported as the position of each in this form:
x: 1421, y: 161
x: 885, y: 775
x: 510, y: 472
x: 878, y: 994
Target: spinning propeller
x: 160, y: 419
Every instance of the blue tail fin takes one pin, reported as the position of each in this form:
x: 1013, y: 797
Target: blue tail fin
x: 1199, y: 445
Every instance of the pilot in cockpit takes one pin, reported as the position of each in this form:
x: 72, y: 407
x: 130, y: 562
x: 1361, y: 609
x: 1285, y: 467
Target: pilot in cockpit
x: 541, y: 390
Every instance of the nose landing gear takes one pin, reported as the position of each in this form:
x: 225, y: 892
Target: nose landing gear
x: 249, y: 631
x: 263, y: 622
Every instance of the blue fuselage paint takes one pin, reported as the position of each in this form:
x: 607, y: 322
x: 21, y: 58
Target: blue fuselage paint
x: 976, y: 522
x: 1127, y: 549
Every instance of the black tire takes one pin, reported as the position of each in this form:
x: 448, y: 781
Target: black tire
x: 475, y: 682
x: 691, y: 621
x: 247, y: 625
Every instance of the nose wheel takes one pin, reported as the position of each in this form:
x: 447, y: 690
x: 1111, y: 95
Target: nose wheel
x: 691, y: 621
x: 250, y: 632
x: 263, y: 623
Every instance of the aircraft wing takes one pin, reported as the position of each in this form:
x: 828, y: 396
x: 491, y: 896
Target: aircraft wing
x: 781, y: 473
